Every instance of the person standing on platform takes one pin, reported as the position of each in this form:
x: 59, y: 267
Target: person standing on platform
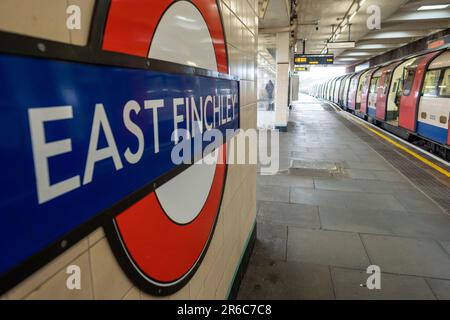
x: 269, y: 90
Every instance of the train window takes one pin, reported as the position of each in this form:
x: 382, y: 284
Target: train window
x: 387, y: 81
x: 374, y: 85
x: 409, y: 81
x: 443, y: 119
x: 394, y: 87
x: 444, y: 88
x: 430, y: 86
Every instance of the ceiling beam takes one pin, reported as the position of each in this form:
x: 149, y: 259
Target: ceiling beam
x: 420, y: 15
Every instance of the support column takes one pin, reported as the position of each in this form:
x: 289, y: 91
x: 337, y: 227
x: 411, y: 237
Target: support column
x: 282, y: 81
x: 295, y: 82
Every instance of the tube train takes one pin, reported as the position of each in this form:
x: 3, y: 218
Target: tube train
x: 409, y: 97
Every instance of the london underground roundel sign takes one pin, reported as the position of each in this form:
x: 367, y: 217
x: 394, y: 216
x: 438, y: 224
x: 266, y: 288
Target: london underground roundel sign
x: 96, y: 146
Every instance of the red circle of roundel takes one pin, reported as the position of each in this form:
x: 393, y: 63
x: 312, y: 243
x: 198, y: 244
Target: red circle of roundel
x: 134, y: 36
x: 155, y: 251
x: 171, y: 250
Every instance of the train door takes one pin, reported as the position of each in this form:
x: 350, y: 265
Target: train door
x: 341, y: 93
x: 434, y: 105
x: 352, y: 91
x: 365, y: 91
x: 395, y: 92
x: 331, y: 93
x: 386, y: 82
x: 415, y: 75
x: 373, y: 92
x: 345, y: 91
x: 337, y: 89
x: 341, y: 90
x: 361, y: 81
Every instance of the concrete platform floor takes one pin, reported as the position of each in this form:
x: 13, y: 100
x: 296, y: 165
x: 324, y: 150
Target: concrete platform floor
x: 318, y: 232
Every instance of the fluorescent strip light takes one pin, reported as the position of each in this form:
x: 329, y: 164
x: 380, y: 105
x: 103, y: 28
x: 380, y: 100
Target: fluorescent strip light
x: 352, y: 16
x: 433, y: 7
x: 361, y: 3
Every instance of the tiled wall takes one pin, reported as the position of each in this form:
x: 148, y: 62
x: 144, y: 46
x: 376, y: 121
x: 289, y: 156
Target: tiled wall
x: 102, y: 278
x: 45, y: 19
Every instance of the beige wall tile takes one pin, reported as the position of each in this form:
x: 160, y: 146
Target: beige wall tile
x: 109, y: 281
x: 182, y: 294
x: 95, y: 236
x: 243, y: 93
x: 80, y: 37
x: 234, y: 179
x: 39, y: 18
x: 228, y: 275
x: 214, y: 276
x: 146, y: 296
x: 56, y: 287
x: 46, y: 19
x: 132, y: 294
x: 46, y: 272
x: 226, y: 2
x: 226, y: 18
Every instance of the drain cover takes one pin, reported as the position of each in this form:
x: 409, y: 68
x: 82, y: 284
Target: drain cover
x: 316, y: 168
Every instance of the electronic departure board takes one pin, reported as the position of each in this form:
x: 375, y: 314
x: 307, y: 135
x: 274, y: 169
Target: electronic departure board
x: 313, y: 59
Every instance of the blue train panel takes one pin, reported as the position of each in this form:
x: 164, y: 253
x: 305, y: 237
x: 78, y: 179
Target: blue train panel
x: 431, y: 132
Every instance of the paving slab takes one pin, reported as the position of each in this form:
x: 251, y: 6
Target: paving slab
x: 333, y: 248
x: 356, y: 220
x: 370, y: 165
x: 320, y: 197
x: 271, y: 241
x: 446, y: 246
x: 414, y: 202
x: 408, y: 256
x: 272, y: 193
x: 347, y: 286
x: 361, y: 174
x: 285, y: 180
x: 415, y: 225
x: 441, y: 288
x: 289, y: 214
x: 274, y: 279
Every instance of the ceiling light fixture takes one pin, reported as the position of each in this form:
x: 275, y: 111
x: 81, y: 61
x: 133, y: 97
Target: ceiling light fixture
x: 434, y: 7
x: 345, y: 22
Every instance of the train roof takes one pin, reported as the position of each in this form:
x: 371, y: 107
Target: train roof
x: 441, y: 61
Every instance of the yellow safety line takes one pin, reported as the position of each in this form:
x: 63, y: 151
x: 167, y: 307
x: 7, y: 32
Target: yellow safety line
x: 398, y: 145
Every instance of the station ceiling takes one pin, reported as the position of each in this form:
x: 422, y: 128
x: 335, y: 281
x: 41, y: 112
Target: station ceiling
x: 401, y: 23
